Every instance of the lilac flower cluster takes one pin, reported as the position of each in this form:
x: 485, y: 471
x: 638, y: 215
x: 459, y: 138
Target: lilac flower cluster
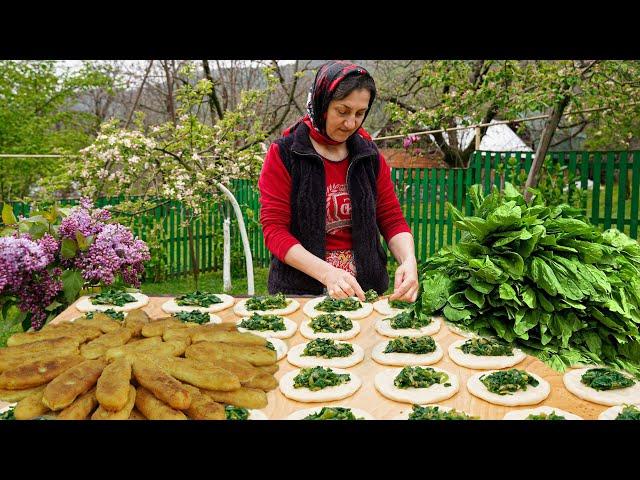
x: 82, y: 219
x: 24, y: 273
x: 409, y: 140
x: 19, y: 259
x: 114, y: 251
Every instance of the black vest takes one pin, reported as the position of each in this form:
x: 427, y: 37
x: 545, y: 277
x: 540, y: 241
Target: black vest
x: 308, y: 213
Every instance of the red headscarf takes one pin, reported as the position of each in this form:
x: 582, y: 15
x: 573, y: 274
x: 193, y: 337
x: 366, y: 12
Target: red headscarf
x: 321, y: 93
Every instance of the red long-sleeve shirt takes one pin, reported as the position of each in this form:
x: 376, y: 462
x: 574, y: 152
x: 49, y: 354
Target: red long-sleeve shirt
x: 275, y: 212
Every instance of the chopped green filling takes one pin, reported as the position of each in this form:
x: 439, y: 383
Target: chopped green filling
x: 112, y: 297
x: 263, y: 323
x: 338, y: 304
x: 434, y: 413
x: 327, y: 348
x: 270, y: 346
x: 506, y: 382
x: 400, y: 304
x: 330, y: 323
x: 370, y: 296
x: 110, y: 312
x: 236, y: 413
x: 198, y: 299
x: 545, y: 416
x: 417, y: 345
x: 8, y: 415
x: 629, y: 412
x: 484, y: 347
x: 605, y: 379
x: 317, y: 378
x: 420, y: 377
x: 333, y: 413
x: 193, y: 317
x: 267, y: 302
x: 408, y: 320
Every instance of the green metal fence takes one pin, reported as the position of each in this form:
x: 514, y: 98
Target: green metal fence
x: 612, y: 201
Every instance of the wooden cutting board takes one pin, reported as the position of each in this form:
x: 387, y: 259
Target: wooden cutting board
x: 367, y: 397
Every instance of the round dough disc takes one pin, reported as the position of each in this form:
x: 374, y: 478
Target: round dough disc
x: 364, y: 311
x: 280, y: 346
x: 404, y: 359
x: 619, y: 396
x: 327, y: 394
x: 289, y: 331
x: 453, y: 328
x: 240, y: 309
x: 170, y: 306
x: 404, y: 414
x: 610, y: 413
x: 384, y: 384
x: 383, y: 327
x: 84, y: 304
x: 484, y: 362
x: 301, y: 414
x: 307, y: 332
x: 294, y: 357
x: 525, y: 412
x: 383, y: 307
x: 530, y: 396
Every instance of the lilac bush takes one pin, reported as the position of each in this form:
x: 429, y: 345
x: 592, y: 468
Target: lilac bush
x: 45, y: 263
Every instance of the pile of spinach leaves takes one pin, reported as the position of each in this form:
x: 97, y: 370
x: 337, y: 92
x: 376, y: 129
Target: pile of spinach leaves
x: 542, y: 278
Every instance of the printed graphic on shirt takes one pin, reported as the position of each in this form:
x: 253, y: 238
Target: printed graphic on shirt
x: 341, y: 259
x: 338, y: 208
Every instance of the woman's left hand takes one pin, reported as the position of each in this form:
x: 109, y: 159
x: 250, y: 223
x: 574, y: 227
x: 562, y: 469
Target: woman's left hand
x: 406, y: 282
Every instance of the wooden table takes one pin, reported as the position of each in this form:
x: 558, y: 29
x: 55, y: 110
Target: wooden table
x: 367, y: 397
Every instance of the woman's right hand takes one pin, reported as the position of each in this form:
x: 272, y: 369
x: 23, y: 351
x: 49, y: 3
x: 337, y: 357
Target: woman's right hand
x: 341, y: 284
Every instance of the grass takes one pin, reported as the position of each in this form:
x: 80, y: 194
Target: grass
x: 212, y: 281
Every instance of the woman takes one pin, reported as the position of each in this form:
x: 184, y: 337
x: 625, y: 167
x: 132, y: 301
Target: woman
x: 326, y: 195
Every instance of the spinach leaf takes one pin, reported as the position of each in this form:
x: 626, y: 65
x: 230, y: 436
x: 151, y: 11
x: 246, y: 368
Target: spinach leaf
x: 420, y: 377
x: 415, y: 345
x: 485, y: 347
x: 545, y: 416
x: 9, y: 414
x: 193, y: 317
x: 434, y: 413
x: 407, y: 320
x: 330, y: 323
x: 605, y: 379
x: 338, y: 304
x: 629, y: 412
x: 327, y: 348
x: 236, y: 413
x: 400, y: 304
x: 370, y: 295
x: 198, y: 299
x: 112, y: 297
x: 317, y: 378
x: 332, y: 413
x: 267, y: 302
x: 263, y: 323
x: 110, y: 312
x: 507, y: 382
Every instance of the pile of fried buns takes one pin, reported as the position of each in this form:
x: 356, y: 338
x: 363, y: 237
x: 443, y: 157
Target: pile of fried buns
x: 165, y: 369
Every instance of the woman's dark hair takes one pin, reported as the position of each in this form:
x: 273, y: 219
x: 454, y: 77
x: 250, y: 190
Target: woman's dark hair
x: 355, y: 82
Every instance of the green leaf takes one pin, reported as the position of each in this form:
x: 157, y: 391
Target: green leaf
x: 504, y: 216
x: 435, y: 291
x: 543, y: 276
x: 529, y: 320
x: 529, y: 297
x: 507, y: 292
x: 456, y: 315
x: 69, y: 248
x: 474, y: 297
x: 511, y: 263
x: 72, y: 282
x: 458, y: 300
x: 480, y: 286
x: 83, y: 244
x: 8, y: 218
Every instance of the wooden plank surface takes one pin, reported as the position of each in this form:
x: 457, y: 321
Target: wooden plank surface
x: 368, y: 398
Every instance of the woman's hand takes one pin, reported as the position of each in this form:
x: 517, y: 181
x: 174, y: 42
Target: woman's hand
x: 341, y: 284
x: 406, y: 282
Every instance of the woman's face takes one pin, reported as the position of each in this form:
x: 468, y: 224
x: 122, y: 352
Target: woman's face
x: 345, y: 116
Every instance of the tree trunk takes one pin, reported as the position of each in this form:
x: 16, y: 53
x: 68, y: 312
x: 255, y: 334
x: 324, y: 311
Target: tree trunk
x: 135, y: 102
x: 547, y: 134
x: 194, y: 257
x: 214, y: 104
